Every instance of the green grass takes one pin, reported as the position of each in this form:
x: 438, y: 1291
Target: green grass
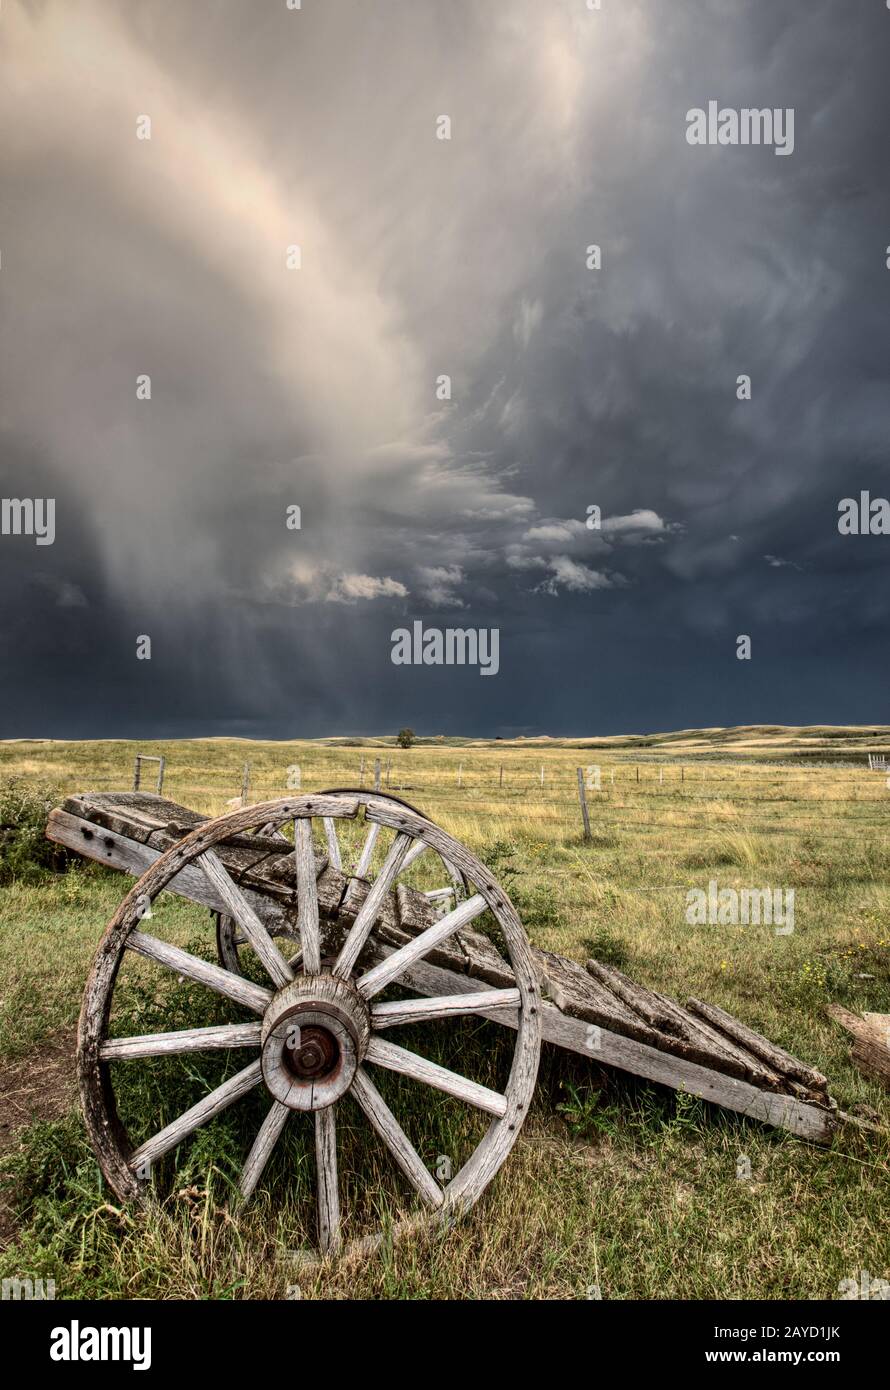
x: 613, y: 1183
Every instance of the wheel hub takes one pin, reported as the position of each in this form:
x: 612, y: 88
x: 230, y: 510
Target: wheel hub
x: 315, y: 1034
x: 312, y: 1054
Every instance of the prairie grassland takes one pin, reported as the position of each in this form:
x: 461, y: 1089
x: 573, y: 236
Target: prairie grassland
x: 614, y: 1185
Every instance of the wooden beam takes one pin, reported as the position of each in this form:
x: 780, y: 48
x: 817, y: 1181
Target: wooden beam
x: 811, y: 1122
x: 871, y: 1041
x: 131, y: 857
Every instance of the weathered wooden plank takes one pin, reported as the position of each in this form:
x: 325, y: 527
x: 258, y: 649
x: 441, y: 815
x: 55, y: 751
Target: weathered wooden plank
x: 577, y: 995
x: 714, y: 1048
x: 482, y: 960
x: 776, y: 1057
x: 684, y: 1035
x: 871, y: 1049
x: 810, y: 1121
x: 415, y: 912
x: 133, y: 857
x: 642, y: 1001
x: 134, y: 814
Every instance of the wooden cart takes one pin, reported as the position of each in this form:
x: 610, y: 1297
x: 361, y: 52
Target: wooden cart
x: 331, y: 938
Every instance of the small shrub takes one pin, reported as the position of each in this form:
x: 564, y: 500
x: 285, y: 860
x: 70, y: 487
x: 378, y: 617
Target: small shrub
x: 586, y: 1113
x: 537, y: 908
x: 606, y: 946
x: 25, y: 852
x: 499, y: 858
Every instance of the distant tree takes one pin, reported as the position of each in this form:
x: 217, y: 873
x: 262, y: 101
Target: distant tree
x: 405, y: 738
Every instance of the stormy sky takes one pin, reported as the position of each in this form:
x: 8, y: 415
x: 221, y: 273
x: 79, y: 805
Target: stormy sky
x: 423, y: 257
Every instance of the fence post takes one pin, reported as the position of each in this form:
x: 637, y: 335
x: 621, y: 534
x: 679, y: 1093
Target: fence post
x: 682, y: 774
x: 162, y: 763
x: 376, y: 774
x: 638, y: 774
x: 245, y: 783
x: 388, y: 767
x: 582, y: 797
x: 137, y: 769
x: 501, y: 781
x: 460, y: 774
x: 542, y: 775
x: 361, y: 773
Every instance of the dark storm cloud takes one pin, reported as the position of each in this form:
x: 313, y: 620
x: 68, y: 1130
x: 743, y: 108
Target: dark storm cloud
x: 420, y: 257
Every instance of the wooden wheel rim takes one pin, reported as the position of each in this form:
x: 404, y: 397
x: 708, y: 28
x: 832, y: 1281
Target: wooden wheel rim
x: 120, y: 1160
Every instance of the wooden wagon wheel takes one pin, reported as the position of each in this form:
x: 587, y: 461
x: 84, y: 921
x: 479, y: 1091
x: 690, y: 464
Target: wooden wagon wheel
x: 230, y: 937
x: 320, y: 1024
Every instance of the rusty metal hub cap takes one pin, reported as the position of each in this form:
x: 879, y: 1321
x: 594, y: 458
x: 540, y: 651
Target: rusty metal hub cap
x: 315, y: 1034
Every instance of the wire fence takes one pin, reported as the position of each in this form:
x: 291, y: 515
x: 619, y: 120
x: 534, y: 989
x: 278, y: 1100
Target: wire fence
x: 643, y: 798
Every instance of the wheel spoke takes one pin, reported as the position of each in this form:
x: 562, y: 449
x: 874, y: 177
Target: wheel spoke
x: 414, y: 950
x: 254, y: 997
x: 326, y: 1172
x: 417, y: 849
x: 456, y: 879
x: 330, y: 834
x: 179, y: 1129
x: 238, y: 907
x: 394, y: 1058
x: 307, y: 896
x: 189, y: 1040
x: 371, y: 908
x: 396, y: 1140
x: 364, y: 863
x: 261, y: 1149
x: 442, y: 1006
x: 270, y: 831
